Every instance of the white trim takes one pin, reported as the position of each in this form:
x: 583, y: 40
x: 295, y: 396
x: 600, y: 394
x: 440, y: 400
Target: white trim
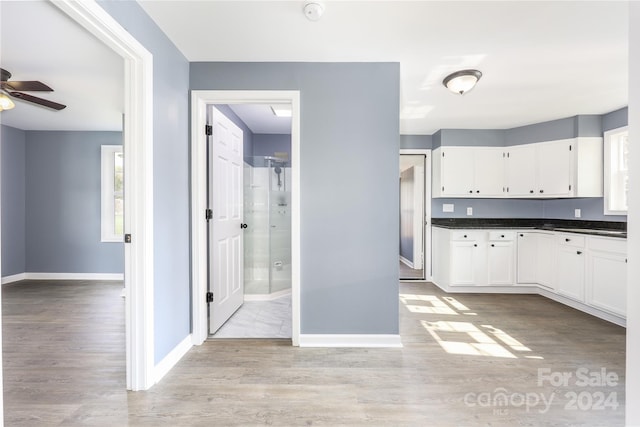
x: 14, y: 278
x: 350, y: 340
x: 607, y: 169
x: 107, y: 194
x: 427, y: 261
x: 199, y: 101
x: 620, y: 321
x: 267, y: 297
x: 171, y: 359
x: 138, y: 168
x: 406, y: 262
x: 64, y: 276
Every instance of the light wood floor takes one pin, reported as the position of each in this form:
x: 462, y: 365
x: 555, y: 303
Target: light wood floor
x: 407, y: 272
x: 64, y: 365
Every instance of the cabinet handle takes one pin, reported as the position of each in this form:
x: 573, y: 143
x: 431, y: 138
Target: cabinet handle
x: 542, y: 191
x: 477, y: 191
x: 470, y: 191
x: 502, y: 236
x: 493, y: 246
x: 475, y: 245
x: 531, y: 191
x: 522, y: 235
x: 567, y: 240
x: 579, y: 252
x: 465, y: 236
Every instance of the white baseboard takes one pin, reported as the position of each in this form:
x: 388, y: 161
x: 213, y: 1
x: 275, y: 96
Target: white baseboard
x: 63, y: 276
x: 14, y: 278
x: 267, y: 297
x: 618, y: 320
x: 406, y: 262
x: 350, y: 340
x: 170, y: 360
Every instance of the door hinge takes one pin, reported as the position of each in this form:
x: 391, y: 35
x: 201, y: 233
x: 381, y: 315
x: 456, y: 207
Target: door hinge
x: 569, y: 187
x: 208, y: 130
x: 507, y: 155
x: 208, y: 214
x: 569, y: 148
x: 209, y: 297
x: 443, y: 154
x: 127, y: 238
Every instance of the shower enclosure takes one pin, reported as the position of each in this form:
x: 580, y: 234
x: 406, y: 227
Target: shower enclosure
x: 267, y: 239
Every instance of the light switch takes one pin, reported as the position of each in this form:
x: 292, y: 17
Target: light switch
x: 447, y: 207
x: 469, y: 211
x: 577, y: 213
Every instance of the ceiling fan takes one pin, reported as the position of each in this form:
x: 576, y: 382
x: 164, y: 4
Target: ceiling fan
x: 14, y: 89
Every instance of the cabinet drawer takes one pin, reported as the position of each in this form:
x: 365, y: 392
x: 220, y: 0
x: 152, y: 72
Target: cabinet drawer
x: 502, y: 235
x: 574, y: 240
x: 608, y: 244
x: 463, y: 235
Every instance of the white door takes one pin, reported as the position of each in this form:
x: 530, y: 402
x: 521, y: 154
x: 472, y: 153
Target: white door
x: 226, y: 269
x: 521, y: 171
x: 501, y: 263
x: 527, y: 257
x: 554, y: 168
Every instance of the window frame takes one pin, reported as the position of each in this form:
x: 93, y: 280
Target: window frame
x: 607, y: 178
x: 107, y: 194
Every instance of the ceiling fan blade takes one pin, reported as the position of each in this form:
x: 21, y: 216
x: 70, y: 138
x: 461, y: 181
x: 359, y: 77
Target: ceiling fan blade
x: 28, y: 86
x: 36, y: 100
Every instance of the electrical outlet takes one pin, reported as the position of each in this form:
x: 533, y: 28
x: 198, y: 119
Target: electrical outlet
x: 469, y: 211
x: 577, y: 213
x: 447, y: 207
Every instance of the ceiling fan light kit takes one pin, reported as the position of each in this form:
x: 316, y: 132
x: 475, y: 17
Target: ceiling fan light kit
x: 5, y: 102
x: 462, y: 81
x: 15, y: 89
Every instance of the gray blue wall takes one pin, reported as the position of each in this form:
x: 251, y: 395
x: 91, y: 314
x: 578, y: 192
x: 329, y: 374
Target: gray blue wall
x: 172, y: 299
x: 63, y: 204
x: 416, y: 142
x: 268, y: 144
x: 571, y: 127
x: 13, y: 154
x: 349, y: 268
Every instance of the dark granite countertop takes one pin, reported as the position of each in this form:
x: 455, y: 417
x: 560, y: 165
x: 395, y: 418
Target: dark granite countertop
x: 598, y: 228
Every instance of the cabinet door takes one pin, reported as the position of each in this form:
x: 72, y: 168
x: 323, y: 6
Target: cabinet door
x: 545, y: 260
x: 457, y: 171
x: 501, y: 263
x: 489, y: 172
x: 464, y: 257
x: 570, y: 268
x: 527, y: 257
x: 521, y: 171
x: 607, y: 281
x: 554, y: 168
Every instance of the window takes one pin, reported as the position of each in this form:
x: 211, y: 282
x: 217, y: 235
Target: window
x: 112, y: 220
x: 616, y: 173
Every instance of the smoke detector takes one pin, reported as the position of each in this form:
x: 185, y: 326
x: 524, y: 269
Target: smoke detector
x: 313, y: 11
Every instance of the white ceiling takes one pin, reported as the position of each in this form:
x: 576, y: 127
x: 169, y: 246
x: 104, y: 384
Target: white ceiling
x: 260, y: 119
x: 39, y: 42
x: 540, y: 60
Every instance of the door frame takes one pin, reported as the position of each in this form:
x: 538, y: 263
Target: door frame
x: 138, y: 197
x: 199, y: 101
x: 426, y: 238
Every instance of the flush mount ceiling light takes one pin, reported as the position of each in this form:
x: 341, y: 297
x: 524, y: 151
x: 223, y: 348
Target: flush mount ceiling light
x: 313, y: 11
x: 281, y: 110
x: 463, y: 81
x: 5, y: 102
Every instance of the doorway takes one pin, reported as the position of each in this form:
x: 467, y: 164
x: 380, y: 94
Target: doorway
x: 414, y: 245
x: 201, y: 102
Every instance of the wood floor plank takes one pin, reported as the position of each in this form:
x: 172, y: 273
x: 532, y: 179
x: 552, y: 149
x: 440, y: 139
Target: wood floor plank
x: 64, y: 365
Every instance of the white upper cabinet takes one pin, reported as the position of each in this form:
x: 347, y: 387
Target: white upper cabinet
x: 521, y: 171
x: 468, y: 172
x: 552, y: 169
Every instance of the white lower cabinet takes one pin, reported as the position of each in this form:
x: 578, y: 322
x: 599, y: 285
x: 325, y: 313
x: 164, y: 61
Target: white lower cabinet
x: 606, y: 286
x: 589, y: 270
x: 569, y: 271
x: 474, y: 257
